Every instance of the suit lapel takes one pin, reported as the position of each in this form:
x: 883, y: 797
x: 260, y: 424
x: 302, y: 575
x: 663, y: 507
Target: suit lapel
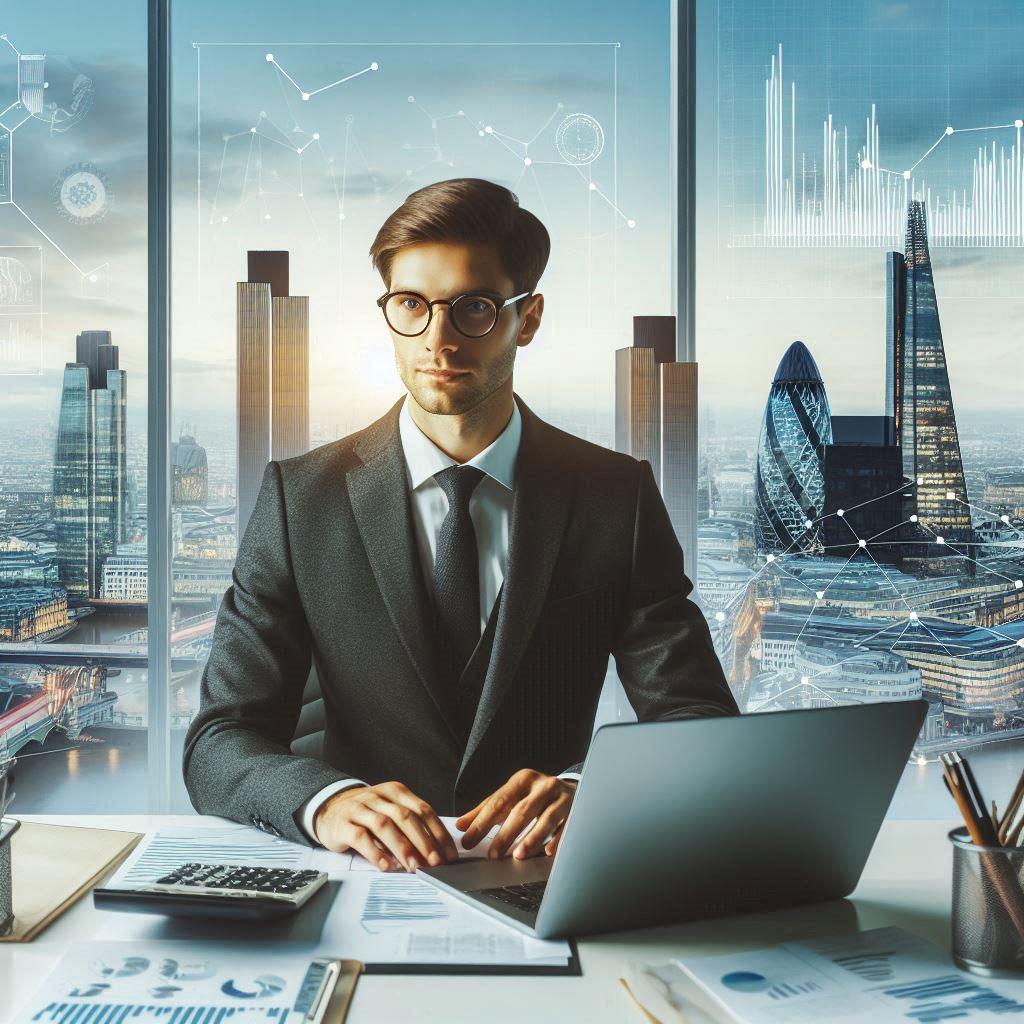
x: 540, y: 509
x: 379, y: 494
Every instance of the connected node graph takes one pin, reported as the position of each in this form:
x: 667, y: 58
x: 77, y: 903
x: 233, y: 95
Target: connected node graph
x: 50, y: 90
x: 308, y: 94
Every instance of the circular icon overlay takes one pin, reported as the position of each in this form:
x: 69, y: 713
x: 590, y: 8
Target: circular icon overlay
x: 579, y: 139
x: 82, y: 194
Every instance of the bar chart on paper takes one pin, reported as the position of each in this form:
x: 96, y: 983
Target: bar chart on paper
x: 110, y: 1013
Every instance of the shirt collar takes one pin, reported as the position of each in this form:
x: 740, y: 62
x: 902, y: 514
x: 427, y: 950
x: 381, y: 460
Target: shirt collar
x: 423, y: 458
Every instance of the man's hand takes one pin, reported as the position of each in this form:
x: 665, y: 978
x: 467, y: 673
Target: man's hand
x: 527, y: 795
x: 388, y: 824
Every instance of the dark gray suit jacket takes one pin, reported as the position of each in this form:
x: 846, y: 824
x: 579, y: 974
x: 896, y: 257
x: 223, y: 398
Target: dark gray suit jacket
x: 328, y: 569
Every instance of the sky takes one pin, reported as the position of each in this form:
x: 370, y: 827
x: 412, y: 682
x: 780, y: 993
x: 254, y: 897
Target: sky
x: 524, y: 71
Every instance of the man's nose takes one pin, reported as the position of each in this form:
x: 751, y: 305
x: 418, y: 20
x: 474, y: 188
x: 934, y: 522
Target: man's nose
x: 441, y: 333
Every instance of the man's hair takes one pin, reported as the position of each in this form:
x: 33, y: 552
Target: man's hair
x: 467, y: 210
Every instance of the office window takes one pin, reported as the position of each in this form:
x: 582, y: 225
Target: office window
x: 861, y: 474
x: 295, y: 138
x: 73, y: 377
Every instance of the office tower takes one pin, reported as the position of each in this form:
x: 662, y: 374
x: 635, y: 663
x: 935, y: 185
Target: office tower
x: 921, y: 398
x: 289, y: 427
x: 90, y: 487
x: 253, y: 408
x: 189, y: 472
x: 789, y: 480
x: 637, y: 410
x: 864, y: 488
x: 656, y: 420
x: 273, y: 374
x: 678, y: 454
x: 895, y: 301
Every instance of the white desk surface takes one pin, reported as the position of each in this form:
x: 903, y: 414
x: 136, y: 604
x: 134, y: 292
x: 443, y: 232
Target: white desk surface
x: 905, y: 882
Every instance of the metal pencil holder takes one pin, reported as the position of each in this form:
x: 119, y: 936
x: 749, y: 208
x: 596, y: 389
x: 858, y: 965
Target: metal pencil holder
x: 8, y: 826
x: 988, y: 907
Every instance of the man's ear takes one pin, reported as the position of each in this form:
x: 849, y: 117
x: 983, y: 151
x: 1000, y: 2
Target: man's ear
x: 530, y: 320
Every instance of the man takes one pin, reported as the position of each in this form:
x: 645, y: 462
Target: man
x: 458, y: 572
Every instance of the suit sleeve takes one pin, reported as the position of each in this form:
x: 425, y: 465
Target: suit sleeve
x: 662, y: 647
x: 237, y: 761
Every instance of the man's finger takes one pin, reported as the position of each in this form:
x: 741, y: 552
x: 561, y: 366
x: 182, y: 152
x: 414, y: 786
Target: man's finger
x: 520, y: 816
x: 429, y: 820
x: 495, y: 807
x: 552, y: 845
x: 548, y: 820
x: 360, y: 840
x: 381, y: 825
x: 408, y: 821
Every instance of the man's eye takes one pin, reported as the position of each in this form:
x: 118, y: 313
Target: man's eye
x: 411, y: 304
x: 476, y: 306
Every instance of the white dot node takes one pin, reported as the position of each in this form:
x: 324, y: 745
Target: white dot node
x: 819, y: 594
x: 298, y: 149
x: 341, y: 216
x: 270, y: 57
x: 316, y: 136
x: 913, y: 616
x: 804, y: 680
x: 46, y: 85
x: 253, y: 130
x: 305, y: 95
x: 300, y: 195
x: 1020, y: 642
x: 840, y: 512
x: 950, y: 496
x: 720, y: 616
x: 808, y: 525
x: 481, y: 134
x: 1018, y: 584
x: 488, y: 129
x: 940, y: 540
x: 949, y: 129
x: 920, y: 481
x: 374, y: 66
x: 593, y: 187
x: 770, y: 558
x: 862, y: 542
x: 1018, y: 123
x: 527, y: 161
x: 411, y: 99
x: 913, y: 519
x: 1005, y: 519
x: 223, y: 220
x: 906, y: 175
x: 631, y: 223
x: 462, y: 113
x: 266, y: 216
x: 866, y: 164
x: 93, y: 278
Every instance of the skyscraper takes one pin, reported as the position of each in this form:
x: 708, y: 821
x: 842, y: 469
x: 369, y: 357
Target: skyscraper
x: 656, y: 420
x: 90, y: 487
x: 273, y: 374
x: 919, y: 391
x: 189, y: 472
x: 789, y: 486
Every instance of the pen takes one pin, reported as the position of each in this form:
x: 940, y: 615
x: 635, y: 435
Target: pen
x: 988, y: 826
x: 1011, y: 810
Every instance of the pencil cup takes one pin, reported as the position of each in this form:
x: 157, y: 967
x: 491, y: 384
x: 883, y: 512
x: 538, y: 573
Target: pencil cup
x: 988, y: 907
x: 8, y: 826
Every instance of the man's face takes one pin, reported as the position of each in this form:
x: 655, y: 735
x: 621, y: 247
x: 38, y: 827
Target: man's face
x: 445, y: 270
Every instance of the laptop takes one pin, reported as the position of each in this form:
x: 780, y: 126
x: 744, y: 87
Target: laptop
x: 700, y: 817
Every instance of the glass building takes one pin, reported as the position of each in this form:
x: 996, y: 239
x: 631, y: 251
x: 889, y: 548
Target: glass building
x: 790, y: 478
x: 921, y: 398
x: 90, y: 490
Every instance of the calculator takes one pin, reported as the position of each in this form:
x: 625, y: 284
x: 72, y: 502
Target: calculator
x: 244, y: 891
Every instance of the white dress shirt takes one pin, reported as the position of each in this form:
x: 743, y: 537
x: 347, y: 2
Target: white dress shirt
x: 490, y: 508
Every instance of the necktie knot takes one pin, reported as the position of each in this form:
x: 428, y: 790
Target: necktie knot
x: 458, y: 483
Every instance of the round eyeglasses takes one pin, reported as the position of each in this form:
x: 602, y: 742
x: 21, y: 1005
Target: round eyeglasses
x: 472, y: 315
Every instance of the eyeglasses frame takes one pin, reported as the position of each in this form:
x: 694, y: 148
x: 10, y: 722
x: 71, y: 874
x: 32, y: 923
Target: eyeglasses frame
x: 430, y: 303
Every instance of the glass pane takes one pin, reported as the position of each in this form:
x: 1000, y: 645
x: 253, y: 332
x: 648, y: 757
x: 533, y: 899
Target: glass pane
x: 302, y: 149
x: 73, y: 681
x: 860, y: 231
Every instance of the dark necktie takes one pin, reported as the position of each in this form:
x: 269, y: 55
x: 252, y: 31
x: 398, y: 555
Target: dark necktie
x: 456, y: 565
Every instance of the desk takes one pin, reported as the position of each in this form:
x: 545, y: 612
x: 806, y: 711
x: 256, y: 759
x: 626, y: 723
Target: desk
x: 906, y: 882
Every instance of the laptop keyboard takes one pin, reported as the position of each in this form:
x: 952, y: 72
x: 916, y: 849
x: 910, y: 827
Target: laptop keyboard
x: 524, y: 895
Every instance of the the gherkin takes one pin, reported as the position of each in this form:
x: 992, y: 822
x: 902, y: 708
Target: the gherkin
x: 790, y: 478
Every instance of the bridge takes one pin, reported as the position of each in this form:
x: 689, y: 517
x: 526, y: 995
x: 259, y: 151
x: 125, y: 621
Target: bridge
x: 74, y: 691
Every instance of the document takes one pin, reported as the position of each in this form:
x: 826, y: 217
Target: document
x: 886, y: 974
x: 387, y: 920
x: 153, y: 983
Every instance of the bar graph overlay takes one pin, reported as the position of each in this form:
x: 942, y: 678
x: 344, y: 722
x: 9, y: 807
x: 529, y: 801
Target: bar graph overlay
x: 139, y: 1013
x: 850, y: 194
